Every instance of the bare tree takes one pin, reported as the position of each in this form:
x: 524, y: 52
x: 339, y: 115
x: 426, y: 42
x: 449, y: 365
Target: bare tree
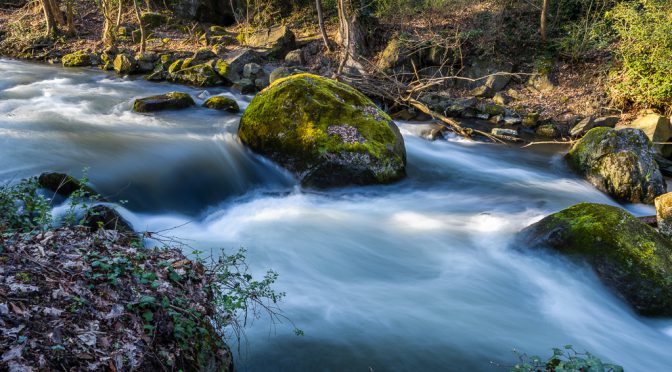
x: 56, y: 11
x: 344, y: 32
x: 108, y: 24
x: 52, y: 29
x: 320, y: 19
x: 143, y: 37
x: 70, y: 17
x: 544, y: 15
x: 351, y: 34
x: 118, y: 23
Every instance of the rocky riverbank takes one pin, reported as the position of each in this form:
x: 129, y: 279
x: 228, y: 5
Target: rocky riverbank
x: 83, y: 292
x: 80, y: 300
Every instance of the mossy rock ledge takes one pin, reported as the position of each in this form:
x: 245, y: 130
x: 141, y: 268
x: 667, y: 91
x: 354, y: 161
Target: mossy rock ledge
x: 327, y: 133
x: 630, y: 257
x: 168, y: 101
x: 620, y: 163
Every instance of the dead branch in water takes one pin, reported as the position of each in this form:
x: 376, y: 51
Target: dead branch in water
x: 570, y: 142
x: 391, y: 89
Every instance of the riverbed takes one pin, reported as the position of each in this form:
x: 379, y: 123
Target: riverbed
x: 420, y: 275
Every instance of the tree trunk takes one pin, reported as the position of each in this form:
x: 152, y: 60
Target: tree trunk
x: 116, y: 25
x: 544, y: 14
x: 143, y: 39
x: 70, y: 18
x: 344, y: 32
x: 320, y: 19
x: 108, y: 26
x: 56, y: 11
x: 351, y: 33
x: 52, y: 30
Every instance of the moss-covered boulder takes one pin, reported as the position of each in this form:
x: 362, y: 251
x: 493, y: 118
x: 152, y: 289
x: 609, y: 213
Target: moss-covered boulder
x: 79, y: 58
x: 620, y: 163
x: 222, y: 103
x: 203, y: 75
x: 168, y: 101
x: 153, y: 20
x: 629, y: 256
x: 125, y: 64
x: 326, y: 132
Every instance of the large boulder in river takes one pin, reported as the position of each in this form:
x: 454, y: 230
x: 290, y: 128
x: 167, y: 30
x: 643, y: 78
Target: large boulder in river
x: 167, y: 101
x: 326, y: 132
x: 629, y: 256
x: 620, y: 163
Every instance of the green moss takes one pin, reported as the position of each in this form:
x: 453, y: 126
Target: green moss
x: 293, y: 116
x: 222, y: 103
x: 218, y: 30
x: 168, y: 101
x: 187, y: 63
x: 530, y: 120
x: 153, y: 20
x: 77, y: 59
x: 629, y: 255
x: 175, y: 66
x: 222, y: 68
x: 203, y: 75
x: 547, y: 130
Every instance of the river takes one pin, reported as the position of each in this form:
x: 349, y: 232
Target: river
x: 420, y: 275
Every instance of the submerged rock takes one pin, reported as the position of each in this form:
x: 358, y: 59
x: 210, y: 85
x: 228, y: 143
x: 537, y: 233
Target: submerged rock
x: 222, y: 103
x: 168, y: 101
x: 620, y: 163
x: 104, y: 217
x: 61, y: 183
x: 326, y: 132
x: 627, y: 255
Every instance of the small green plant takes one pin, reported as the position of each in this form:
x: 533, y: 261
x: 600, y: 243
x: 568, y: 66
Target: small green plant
x: 81, y: 199
x: 644, y: 28
x: 567, y: 360
x: 23, y: 208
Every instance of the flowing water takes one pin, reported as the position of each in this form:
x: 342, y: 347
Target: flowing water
x: 416, y: 276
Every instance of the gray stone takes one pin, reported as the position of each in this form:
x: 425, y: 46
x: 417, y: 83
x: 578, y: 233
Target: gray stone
x: 294, y: 58
x: 620, y: 163
x: 277, y: 41
x: 504, y: 132
x: 664, y: 214
x: 251, y: 70
x: 589, y: 123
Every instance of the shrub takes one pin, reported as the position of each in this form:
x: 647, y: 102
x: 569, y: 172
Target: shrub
x: 645, y: 51
x: 567, y: 360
